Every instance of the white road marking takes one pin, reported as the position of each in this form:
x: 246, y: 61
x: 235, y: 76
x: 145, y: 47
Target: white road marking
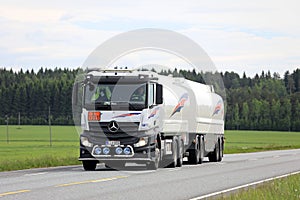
x: 198, y: 165
x: 243, y: 186
x: 35, y: 174
x: 141, y: 172
x: 171, y: 170
x: 253, y: 159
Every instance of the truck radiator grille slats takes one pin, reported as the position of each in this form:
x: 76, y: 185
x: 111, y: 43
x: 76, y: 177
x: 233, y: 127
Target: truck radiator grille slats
x: 127, y: 133
x: 124, y: 127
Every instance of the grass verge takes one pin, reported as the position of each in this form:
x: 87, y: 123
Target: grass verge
x: 284, y: 188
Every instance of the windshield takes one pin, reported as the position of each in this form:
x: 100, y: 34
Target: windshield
x: 115, y: 96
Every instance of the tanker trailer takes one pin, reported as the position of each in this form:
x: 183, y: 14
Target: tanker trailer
x: 142, y: 117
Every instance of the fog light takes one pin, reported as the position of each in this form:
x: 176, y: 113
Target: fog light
x: 119, y: 150
x: 127, y: 150
x: 106, y: 150
x: 97, y: 150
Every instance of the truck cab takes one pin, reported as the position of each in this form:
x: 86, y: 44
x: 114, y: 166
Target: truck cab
x: 119, y: 118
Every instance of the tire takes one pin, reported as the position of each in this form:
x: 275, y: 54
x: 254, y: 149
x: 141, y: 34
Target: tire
x: 221, y: 151
x: 173, y: 163
x: 89, y: 165
x: 202, y: 149
x: 215, y: 155
x: 194, y: 155
x: 154, y: 165
x: 180, y: 153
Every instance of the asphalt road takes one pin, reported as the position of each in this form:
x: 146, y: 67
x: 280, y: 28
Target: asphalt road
x: 135, y: 182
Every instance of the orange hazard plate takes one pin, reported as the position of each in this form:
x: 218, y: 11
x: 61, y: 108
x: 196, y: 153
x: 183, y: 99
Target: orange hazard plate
x: 94, y: 116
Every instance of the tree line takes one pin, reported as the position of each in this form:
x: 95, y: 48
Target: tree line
x: 264, y: 102
x: 32, y: 94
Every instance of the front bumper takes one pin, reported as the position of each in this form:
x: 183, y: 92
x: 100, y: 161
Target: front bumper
x: 127, y: 137
x: 139, y: 154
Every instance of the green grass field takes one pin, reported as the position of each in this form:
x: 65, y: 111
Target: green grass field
x: 284, y: 188
x: 29, y: 146
x: 254, y: 141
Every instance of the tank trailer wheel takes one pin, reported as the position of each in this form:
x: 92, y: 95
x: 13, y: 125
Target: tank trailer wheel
x: 202, y: 149
x: 215, y: 155
x: 174, y: 154
x: 221, y: 151
x: 180, y: 153
x: 194, y: 155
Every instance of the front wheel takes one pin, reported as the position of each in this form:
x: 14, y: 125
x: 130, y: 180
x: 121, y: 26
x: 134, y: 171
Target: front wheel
x: 153, y: 165
x: 89, y: 165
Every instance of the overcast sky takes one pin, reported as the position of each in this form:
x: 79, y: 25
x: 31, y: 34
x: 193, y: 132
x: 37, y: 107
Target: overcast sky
x: 239, y: 36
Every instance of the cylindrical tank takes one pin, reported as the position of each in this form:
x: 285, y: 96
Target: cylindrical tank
x: 191, y: 107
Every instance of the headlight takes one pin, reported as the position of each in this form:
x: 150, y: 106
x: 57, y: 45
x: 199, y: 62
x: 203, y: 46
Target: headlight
x: 142, y: 142
x: 85, y: 142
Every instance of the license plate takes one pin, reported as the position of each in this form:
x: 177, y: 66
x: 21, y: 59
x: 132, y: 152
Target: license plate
x: 113, y: 143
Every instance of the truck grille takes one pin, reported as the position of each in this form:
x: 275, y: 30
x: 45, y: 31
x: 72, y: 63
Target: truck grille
x: 125, y: 127
x: 127, y: 133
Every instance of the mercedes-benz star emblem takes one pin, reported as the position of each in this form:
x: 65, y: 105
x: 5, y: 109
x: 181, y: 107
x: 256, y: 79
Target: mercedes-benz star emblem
x: 113, y: 126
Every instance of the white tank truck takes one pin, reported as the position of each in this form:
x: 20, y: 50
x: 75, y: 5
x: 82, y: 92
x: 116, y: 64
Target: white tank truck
x: 172, y: 118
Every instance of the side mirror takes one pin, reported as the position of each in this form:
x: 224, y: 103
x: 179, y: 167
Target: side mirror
x: 159, y: 94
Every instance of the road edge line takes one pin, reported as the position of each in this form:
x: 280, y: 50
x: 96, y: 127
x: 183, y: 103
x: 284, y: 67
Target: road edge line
x: 244, y: 186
